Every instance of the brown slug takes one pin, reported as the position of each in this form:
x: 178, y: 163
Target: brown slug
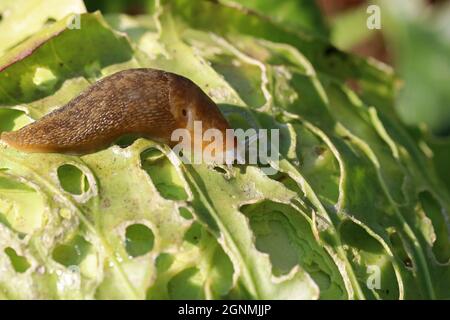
x: 145, y: 102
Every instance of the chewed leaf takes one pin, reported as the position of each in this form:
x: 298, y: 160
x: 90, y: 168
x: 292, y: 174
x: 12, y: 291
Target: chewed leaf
x: 353, y: 195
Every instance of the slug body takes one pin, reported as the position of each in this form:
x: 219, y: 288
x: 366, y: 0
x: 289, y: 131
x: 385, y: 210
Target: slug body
x: 144, y: 102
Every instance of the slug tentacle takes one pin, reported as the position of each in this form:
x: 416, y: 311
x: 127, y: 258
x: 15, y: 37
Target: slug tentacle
x: 146, y: 102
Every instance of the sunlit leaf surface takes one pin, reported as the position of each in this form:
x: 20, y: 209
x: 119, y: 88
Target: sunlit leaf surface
x: 354, y: 192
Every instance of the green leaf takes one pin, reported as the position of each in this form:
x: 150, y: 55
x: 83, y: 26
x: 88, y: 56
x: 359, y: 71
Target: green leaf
x: 355, y: 190
x: 21, y: 19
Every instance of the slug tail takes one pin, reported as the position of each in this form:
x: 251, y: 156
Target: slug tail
x: 9, y: 139
x: 13, y: 139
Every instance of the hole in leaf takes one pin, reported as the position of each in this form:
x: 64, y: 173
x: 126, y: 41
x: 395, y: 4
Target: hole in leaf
x: 72, y: 179
x: 139, y: 240
x: 408, y: 263
x: 71, y: 253
x: 185, y: 213
x: 186, y: 285
x: 276, y: 225
x: 163, y: 175
x: 194, y: 233
x: 12, y: 119
x: 126, y: 140
x: 220, y: 170
x: 271, y: 234
x: 19, y: 263
x: 433, y: 210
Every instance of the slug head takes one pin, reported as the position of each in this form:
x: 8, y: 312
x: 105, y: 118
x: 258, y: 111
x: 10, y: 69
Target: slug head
x: 188, y: 104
